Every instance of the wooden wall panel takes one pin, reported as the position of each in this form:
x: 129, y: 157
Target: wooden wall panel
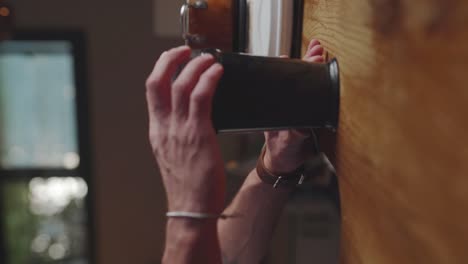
x: 402, y: 142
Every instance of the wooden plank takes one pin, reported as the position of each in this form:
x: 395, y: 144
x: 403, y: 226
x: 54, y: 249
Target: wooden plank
x: 402, y: 142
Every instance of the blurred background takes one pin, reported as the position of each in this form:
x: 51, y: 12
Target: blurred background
x: 78, y: 182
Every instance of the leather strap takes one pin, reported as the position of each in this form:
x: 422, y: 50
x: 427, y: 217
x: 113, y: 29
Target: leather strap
x: 285, y: 180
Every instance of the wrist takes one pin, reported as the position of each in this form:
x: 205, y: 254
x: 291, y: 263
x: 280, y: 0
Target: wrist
x: 278, y: 178
x: 203, y: 195
x: 184, y: 237
x: 208, y: 203
x: 186, y: 230
x: 278, y: 165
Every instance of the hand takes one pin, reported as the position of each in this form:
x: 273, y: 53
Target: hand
x: 287, y: 149
x: 181, y: 132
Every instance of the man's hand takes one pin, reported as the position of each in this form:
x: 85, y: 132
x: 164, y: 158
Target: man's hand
x: 287, y: 149
x: 181, y: 132
x: 246, y: 239
x: 184, y: 144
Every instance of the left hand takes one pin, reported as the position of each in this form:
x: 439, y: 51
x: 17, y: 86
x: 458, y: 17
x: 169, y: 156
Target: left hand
x: 181, y: 132
x: 287, y: 149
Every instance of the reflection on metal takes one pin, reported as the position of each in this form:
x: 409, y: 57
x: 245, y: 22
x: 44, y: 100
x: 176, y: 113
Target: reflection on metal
x: 200, y: 4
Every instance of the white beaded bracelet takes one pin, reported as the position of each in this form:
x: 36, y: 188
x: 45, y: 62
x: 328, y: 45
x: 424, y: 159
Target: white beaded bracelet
x: 182, y: 214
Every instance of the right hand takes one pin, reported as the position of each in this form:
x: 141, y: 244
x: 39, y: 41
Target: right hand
x: 287, y: 149
x: 181, y: 132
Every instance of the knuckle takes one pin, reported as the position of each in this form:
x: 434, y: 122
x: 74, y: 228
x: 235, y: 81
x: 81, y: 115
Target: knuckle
x: 174, y: 137
x: 157, y: 139
x: 152, y: 82
x: 199, y: 97
x: 148, y: 82
x: 196, y: 131
x: 179, y: 87
x: 196, y: 127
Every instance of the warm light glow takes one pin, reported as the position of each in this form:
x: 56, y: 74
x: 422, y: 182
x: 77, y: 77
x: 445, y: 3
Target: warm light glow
x: 232, y: 165
x: 4, y: 11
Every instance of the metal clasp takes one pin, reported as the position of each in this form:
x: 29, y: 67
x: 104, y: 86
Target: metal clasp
x: 301, y: 180
x: 185, y: 21
x: 278, y: 181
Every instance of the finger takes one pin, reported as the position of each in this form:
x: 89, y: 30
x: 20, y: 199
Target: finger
x: 272, y: 133
x: 313, y: 43
x: 316, y: 50
x: 158, y: 83
x: 186, y: 81
x: 284, y: 56
x: 300, y: 133
x: 202, y: 95
x: 315, y: 59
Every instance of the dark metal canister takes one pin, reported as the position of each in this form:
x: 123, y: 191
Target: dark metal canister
x: 264, y: 93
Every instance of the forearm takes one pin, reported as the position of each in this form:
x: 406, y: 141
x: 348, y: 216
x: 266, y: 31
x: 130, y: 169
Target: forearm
x: 191, y: 241
x: 257, y: 208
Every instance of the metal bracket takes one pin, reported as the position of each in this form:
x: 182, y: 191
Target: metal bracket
x: 185, y: 21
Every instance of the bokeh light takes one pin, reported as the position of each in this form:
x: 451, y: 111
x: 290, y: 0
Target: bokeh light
x: 4, y: 11
x: 50, y: 196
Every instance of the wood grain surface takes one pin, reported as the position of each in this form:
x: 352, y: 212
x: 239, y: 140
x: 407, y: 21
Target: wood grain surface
x: 402, y: 142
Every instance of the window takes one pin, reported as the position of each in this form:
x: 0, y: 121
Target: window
x: 44, y: 166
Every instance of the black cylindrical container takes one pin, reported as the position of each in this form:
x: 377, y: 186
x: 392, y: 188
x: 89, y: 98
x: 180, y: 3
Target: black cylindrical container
x: 264, y: 93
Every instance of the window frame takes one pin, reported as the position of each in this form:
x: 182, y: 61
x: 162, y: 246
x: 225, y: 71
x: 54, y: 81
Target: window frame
x: 77, y: 39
